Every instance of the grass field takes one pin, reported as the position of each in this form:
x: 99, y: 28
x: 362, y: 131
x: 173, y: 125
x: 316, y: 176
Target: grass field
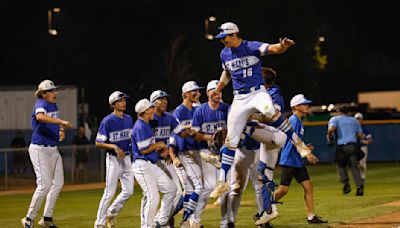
x: 79, y: 208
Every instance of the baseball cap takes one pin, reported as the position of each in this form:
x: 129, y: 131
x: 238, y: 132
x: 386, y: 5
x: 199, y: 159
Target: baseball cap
x: 190, y: 86
x: 298, y: 100
x: 227, y: 29
x: 157, y: 94
x: 143, y: 105
x: 212, y: 85
x: 46, y: 85
x: 358, y: 115
x: 116, y: 96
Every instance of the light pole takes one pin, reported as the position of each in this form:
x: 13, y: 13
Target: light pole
x: 208, y: 25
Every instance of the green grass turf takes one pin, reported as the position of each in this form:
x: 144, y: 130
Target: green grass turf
x: 78, y: 209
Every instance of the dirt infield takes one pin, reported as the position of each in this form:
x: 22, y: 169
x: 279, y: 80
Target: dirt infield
x: 391, y: 220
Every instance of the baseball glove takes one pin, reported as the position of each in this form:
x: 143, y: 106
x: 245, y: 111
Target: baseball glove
x: 330, y: 141
x: 217, y: 140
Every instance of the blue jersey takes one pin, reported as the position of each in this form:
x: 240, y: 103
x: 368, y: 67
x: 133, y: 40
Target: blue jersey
x: 275, y: 93
x: 116, y: 130
x: 289, y: 155
x: 208, y: 121
x: 185, y: 116
x: 367, y: 135
x: 347, y: 128
x: 45, y: 133
x: 244, y: 64
x: 143, y: 138
x: 166, y: 125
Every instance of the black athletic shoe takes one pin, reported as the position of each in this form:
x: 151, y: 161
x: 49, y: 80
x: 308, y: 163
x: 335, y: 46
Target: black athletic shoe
x: 171, y: 222
x: 231, y: 225
x: 316, y: 220
x: 256, y: 217
x: 346, y: 189
x: 266, y: 225
x: 360, y: 191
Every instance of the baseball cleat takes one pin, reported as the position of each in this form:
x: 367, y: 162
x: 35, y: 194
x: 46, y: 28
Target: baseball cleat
x: 158, y: 225
x: 47, y: 224
x: 221, y: 188
x: 265, y: 217
x: 110, y: 221
x: 360, y: 191
x: 316, y: 219
x: 346, y: 188
x: 210, y: 158
x: 26, y: 223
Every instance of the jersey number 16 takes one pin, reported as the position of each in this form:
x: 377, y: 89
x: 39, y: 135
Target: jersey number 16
x: 247, y: 72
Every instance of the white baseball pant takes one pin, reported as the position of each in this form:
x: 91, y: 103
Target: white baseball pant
x: 152, y: 179
x: 116, y: 168
x: 244, y: 168
x: 210, y: 177
x: 48, y: 167
x: 171, y: 172
x: 243, y: 106
x: 191, y: 162
x: 363, y: 162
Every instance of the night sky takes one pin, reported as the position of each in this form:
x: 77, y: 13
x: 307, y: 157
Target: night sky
x: 143, y: 45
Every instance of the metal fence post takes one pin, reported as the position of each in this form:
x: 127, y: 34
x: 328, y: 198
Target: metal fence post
x: 5, y: 171
x: 73, y: 164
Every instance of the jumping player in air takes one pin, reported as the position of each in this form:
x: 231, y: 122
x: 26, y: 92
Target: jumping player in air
x: 241, y: 62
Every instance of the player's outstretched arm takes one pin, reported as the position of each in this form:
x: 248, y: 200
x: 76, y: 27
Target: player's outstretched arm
x: 280, y: 47
x: 42, y: 118
x: 223, y: 80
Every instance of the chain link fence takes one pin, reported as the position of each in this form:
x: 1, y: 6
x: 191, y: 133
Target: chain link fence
x: 82, y: 164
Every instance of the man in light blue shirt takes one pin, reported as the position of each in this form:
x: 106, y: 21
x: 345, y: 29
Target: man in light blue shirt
x: 347, y: 130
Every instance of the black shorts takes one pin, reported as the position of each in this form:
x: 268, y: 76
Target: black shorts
x: 299, y: 173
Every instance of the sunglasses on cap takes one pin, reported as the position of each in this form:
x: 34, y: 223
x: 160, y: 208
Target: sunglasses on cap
x: 51, y: 90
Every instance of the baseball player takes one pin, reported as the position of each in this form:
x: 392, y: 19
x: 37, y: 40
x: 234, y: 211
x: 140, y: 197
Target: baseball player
x: 151, y: 178
x: 363, y: 144
x: 47, y: 132
x: 244, y: 168
x: 207, y: 119
x: 165, y: 125
x: 186, y: 148
x: 292, y: 164
x: 114, y: 135
x: 241, y: 62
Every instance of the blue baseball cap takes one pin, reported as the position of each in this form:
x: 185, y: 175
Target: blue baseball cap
x: 227, y: 29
